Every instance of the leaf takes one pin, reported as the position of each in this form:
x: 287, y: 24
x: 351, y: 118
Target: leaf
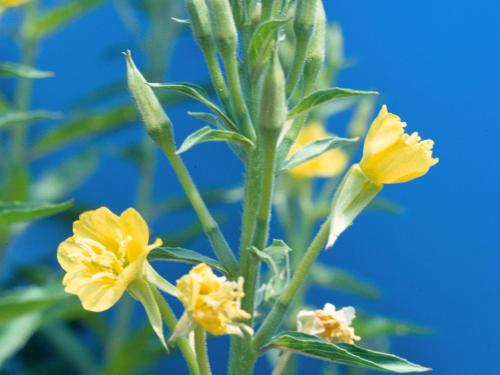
x: 207, y: 134
x: 14, y: 118
x: 50, y: 21
x: 59, y: 182
x: 341, y: 280
x: 14, y: 212
x: 346, y: 354
x: 27, y: 300
x: 320, y: 97
x: 366, y: 326
x: 315, y: 149
x: 179, y: 254
x: 15, y: 334
x: 261, y: 42
x: 205, y: 117
x: 16, y: 185
x: 385, y: 205
x: 86, y: 126
x: 199, y: 94
x: 8, y: 69
x: 277, y: 258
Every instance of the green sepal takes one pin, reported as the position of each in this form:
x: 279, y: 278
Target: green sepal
x: 158, y: 281
x: 351, y: 355
x: 142, y: 291
x: 353, y: 195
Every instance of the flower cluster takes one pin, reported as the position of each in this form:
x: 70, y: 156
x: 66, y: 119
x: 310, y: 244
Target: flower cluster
x: 211, y: 301
x: 329, y: 323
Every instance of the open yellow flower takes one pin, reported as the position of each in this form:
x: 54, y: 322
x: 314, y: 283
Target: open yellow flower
x: 390, y: 155
x: 105, y: 254
x: 329, y: 164
x: 330, y: 324
x: 212, y: 301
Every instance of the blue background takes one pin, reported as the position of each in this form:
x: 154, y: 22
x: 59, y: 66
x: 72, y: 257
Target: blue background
x: 436, y: 64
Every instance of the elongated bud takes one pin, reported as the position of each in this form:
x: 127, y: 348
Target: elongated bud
x: 356, y: 191
x: 200, y: 21
x: 223, y: 25
x: 315, y: 57
x: 156, y: 121
x: 304, y: 24
x: 273, y: 107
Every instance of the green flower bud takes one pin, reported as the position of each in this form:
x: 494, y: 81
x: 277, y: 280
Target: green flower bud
x: 226, y: 35
x: 200, y: 21
x: 273, y: 106
x: 156, y: 121
x: 315, y: 57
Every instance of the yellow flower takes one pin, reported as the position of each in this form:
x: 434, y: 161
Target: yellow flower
x: 105, y: 254
x: 211, y: 301
x: 392, y: 156
x: 11, y: 3
x: 329, y: 164
x: 329, y: 324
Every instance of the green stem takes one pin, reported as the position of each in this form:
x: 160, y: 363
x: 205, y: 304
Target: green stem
x: 277, y: 314
x: 210, y: 226
x: 283, y: 361
x: 200, y: 344
x: 182, y: 342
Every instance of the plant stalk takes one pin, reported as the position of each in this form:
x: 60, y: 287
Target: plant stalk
x: 200, y: 344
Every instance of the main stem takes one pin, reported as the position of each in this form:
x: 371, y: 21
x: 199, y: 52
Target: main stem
x: 277, y: 314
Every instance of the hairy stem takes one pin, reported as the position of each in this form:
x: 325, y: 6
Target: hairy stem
x: 200, y: 344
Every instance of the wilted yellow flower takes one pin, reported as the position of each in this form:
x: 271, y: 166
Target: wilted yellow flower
x: 329, y: 164
x: 329, y: 324
x: 211, y: 301
x: 392, y: 156
x: 105, y: 254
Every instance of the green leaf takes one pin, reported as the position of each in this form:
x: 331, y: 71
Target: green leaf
x: 179, y: 254
x: 350, y: 355
x: 205, y: 117
x: 16, y: 185
x: 207, y: 134
x: 320, y: 97
x: 15, y: 334
x: 262, y: 42
x: 341, y: 280
x: 385, y: 205
x: 14, y: 212
x: 27, y: 300
x: 14, y: 118
x: 8, y: 69
x: 52, y: 20
x: 86, y: 126
x: 315, y: 149
x: 199, y: 94
x: 366, y: 326
x: 59, y: 182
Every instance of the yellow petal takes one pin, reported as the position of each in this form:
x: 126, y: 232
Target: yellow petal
x: 100, y: 225
x: 133, y: 225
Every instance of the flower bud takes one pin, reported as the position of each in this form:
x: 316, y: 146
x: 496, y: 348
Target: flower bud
x: 156, y: 121
x: 316, y: 52
x: 200, y: 21
x: 273, y: 107
x: 223, y: 25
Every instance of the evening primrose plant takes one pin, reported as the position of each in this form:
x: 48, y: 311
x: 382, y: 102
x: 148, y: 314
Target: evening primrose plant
x: 266, y: 60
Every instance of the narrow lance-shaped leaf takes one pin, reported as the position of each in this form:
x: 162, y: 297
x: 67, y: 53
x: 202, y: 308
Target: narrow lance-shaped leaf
x: 261, y: 42
x: 53, y: 19
x: 60, y: 181
x: 8, y: 69
x: 320, y: 97
x: 26, y: 300
x: 178, y: 254
x: 14, y: 212
x: 198, y: 93
x: 366, y: 325
x: 207, y: 134
x: 341, y: 280
x: 346, y: 354
x: 17, y: 118
x: 316, y: 149
x: 15, y: 334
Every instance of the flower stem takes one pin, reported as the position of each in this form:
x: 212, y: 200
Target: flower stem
x: 181, y: 342
x: 200, y: 344
x: 210, y: 226
x: 277, y: 314
x: 282, y: 363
